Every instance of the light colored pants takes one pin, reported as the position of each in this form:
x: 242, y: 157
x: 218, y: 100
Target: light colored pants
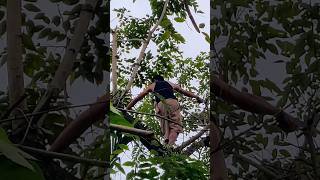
x: 170, y: 109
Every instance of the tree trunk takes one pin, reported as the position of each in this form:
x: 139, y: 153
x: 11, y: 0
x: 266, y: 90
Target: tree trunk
x: 218, y: 170
x: 65, y: 67
x: 114, y: 62
x: 14, y: 61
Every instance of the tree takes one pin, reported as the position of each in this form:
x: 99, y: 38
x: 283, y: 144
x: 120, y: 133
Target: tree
x: 247, y: 36
x: 56, y: 50
x: 157, y: 41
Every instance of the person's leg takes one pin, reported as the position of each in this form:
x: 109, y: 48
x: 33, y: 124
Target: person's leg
x: 172, y: 137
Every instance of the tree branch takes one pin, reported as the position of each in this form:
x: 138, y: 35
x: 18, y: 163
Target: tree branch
x: 63, y: 156
x: 135, y: 66
x: 254, y: 104
x: 133, y: 131
x: 256, y: 165
x: 81, y: 123
x: 14, y: 59
x: 114, y: 61
x: 65, y: 67
x: 192, y: 139
x: 190, y: 16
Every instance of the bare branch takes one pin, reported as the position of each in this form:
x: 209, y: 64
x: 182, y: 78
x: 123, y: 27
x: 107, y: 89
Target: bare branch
x: 63, y: 156
x: 114, y: 61
x: 143, y: 48
x: 191, y: 17
x: 192, y: 139
x: 133, y: 131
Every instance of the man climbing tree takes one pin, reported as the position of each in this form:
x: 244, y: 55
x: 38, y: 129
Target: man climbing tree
x: 166, y: 105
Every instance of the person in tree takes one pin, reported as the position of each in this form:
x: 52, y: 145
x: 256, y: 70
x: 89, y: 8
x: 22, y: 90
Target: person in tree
x: 166, y: 104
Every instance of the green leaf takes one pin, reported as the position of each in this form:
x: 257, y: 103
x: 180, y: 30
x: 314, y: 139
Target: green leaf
x: 70, y: 2
x: 1, y: 15
x: 27, y: 42
x: 114, y: 110
x: 45, y: 32
x: 178, y: 37
x: 31, y: 7
x: 129, y: 163
x: 11, y: 152
x: 120, y: 168
x: 179, y: 19
x: 12, y: 171
x: 272, y: 48
x: 284, y: 152
x: 274, y: 153
x: 123, y: 146
x: 207, y: 37
x: 56, y: 20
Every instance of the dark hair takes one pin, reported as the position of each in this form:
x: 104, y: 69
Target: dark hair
x: 158, y: 78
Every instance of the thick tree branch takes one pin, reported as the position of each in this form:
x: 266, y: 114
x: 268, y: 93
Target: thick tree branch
x: 14, y: 59
x: 190, y: 16
x: 65, y: 67
x: 62, y: 156
x: 204, y: 141
x: 78, y: 126
x: 192, y: 139
x: 255, y: 104
x: 133, y: 131
x: 114, y: 61
x: 218, y: 170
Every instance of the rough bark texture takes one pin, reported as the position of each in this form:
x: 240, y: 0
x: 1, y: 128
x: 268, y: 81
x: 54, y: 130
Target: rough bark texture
x: 114, y: 62
x: 218, y: 170
x: 14, y: 58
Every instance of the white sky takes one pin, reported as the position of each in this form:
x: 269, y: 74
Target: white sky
x: 195, y: 43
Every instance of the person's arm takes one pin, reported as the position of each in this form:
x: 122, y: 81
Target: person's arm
x: 139, y: 97
x: 186, y: 93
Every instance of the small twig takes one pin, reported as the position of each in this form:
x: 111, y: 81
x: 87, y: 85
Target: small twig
x: 191, y: 17
x: 28, y: 127
x: 49, y: 110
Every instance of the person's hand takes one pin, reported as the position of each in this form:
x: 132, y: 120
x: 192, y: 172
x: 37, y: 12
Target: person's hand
x: 200, y: 100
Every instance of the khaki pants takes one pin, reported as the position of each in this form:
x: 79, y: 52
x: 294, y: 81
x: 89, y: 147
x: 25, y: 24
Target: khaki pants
x: 170, y: 109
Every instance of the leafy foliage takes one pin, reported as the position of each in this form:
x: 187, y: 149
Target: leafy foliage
x: 246, y: 37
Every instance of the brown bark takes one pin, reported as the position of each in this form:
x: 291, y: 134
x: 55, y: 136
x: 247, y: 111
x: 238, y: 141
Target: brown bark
x: 78, y: 126
x: 218, y: 170
x: 133, y: 131
x: 65, y: 67
x: 14, y: 58
x: 114, y: 62
x: 254, y: 104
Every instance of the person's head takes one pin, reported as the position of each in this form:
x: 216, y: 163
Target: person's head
x: 157, y: 78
